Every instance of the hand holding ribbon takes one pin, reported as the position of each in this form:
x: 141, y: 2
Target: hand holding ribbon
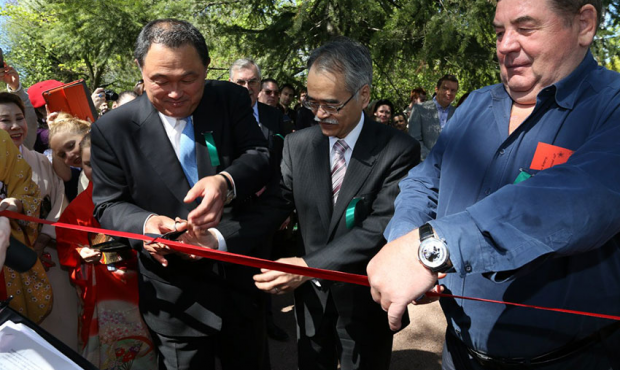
x: 279, y: 282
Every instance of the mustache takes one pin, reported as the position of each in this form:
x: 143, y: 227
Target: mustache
x: 331, y: 121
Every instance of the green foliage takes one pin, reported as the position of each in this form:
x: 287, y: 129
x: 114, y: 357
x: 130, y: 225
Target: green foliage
x: 413, y: 42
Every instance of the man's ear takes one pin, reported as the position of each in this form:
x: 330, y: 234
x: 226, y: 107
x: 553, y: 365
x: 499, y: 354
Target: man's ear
x: 587, y: 18
x: 138, y: 64
x: 207, y: 66
x: 365, y: 96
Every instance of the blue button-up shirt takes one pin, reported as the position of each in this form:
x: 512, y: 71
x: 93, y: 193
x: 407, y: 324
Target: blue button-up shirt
x: 442, y: 113
x: 551, y: 240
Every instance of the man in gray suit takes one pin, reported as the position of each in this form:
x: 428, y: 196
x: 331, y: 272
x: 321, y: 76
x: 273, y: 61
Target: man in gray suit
x: 346, y: 164
x: 428, y: 119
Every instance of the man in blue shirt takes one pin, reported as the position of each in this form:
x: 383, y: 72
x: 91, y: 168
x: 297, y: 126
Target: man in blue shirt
x: 519, y: 201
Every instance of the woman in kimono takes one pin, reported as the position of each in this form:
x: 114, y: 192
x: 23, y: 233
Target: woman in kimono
x: 112, y: 334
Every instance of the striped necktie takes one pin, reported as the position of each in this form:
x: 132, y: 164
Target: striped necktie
x: 339, y: 167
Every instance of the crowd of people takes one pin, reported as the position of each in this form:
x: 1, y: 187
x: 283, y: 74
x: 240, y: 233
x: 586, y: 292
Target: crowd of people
x: 526, y: 170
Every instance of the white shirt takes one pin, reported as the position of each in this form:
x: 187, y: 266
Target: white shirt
x: 174, y: 129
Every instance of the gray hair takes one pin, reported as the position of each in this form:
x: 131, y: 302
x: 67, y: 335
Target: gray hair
x: 172, y: 33
x: 347, y: 57
x: 243, y: 63
x: 568, y: 9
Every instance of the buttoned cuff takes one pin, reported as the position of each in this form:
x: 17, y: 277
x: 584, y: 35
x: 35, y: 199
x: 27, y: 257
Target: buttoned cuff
x: 464, y: 241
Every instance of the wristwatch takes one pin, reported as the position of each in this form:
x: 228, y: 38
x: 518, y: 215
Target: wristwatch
x: 433, y: 252
x: 230, y: 194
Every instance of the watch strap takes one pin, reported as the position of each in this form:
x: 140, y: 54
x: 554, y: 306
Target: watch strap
x: 228, y: 183
x: 230, y: 194
x: 426, y: 231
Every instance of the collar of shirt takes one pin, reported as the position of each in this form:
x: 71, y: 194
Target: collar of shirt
x: 174, y: 129
x: 350, y: 139
x: 439, y: 107
x: 567, y: 90
x: 442, y: 112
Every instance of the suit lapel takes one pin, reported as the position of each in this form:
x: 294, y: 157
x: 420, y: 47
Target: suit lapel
x: 202, y: 125
x: 153, y: 141
x: 318, y: 168
x: 360, y: 166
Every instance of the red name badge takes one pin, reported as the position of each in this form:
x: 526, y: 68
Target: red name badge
x: 548, y: 155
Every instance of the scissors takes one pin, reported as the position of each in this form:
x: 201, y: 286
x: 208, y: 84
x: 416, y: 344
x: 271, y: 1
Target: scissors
x: 171, y: 235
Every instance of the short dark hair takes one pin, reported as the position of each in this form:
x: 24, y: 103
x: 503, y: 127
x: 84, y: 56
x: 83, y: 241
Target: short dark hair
x: 172, y: 33
x: 347, y: 57
x: 447, y: 78
x: 290, y: 87
x: 266, y: 80
x: 568, y: 9
x: 383, y: 102
x: 8, y: 98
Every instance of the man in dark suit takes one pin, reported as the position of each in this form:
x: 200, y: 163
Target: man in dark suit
x: 245, y: 72
x: 428, y: 118
x: 183, y: 133
x: 338, y: 323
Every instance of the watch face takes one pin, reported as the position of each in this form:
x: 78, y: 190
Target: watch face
x: 433, y: 253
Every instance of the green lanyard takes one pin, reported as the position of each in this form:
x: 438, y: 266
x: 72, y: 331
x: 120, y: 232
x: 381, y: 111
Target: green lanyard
x: 215, y: 158
x: 350, y: 214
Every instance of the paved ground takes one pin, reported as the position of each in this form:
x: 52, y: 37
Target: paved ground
x: 417, y: 347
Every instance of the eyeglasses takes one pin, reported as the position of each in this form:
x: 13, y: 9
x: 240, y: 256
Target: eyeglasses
x: 253, y: 81
x: 271, y: 92
x: 328, y: 108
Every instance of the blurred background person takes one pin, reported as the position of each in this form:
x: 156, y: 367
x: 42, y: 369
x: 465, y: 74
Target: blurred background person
x: 429, y: 118
x: 61, y: 320
x: 139, y: 87
x: 417, y: 96
x: 462, y: 99
x: 287, y: 96
x: 269, y: 93
x: 112, y: 334
x: 246, y: 73
x: 31, y: 290
x: 10, y: 76
x: 70, y: 175
x: 382, y: 111
x: 123, y: 98
x: 304, y: 116
x: 65, y: 134
x: 399, y: 121
x: 101, y: 98
x: 35, y: 95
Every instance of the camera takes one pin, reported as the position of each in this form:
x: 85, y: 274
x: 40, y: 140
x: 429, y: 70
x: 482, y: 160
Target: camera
x: 110, y: 95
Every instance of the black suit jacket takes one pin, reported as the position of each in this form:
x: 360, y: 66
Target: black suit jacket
x: 272, y: 121
x: 136, y: 173
x: 381, y: 157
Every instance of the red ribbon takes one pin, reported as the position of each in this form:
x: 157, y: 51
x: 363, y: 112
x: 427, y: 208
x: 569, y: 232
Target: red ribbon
x: 271, y: 265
